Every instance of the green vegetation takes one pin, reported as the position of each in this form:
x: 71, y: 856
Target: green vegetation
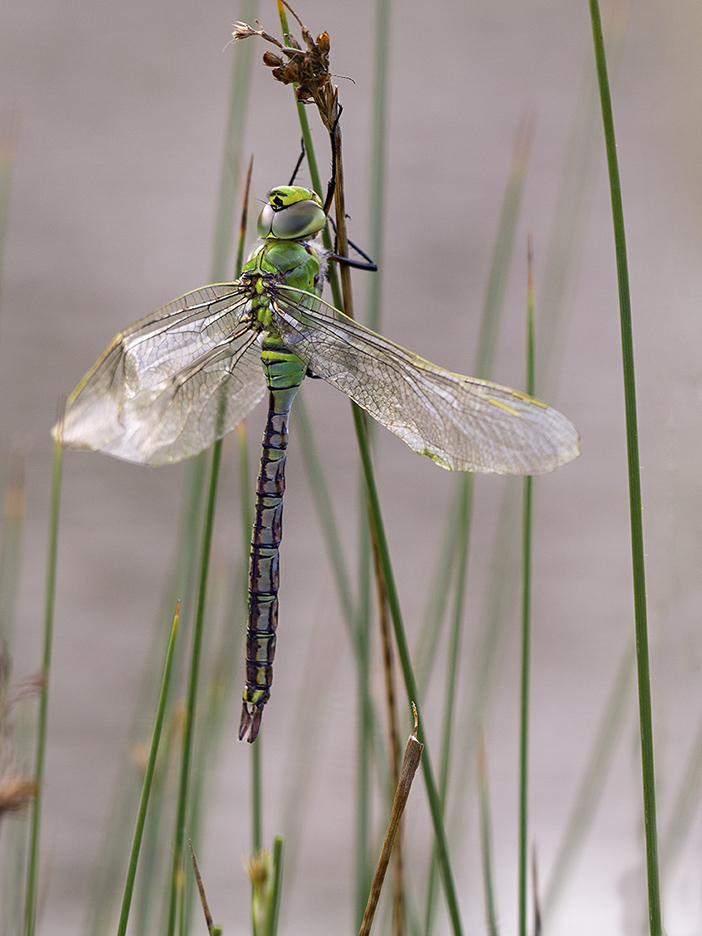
x: 165, y: 790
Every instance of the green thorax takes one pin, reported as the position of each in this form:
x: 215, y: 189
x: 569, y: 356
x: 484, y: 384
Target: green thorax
x: 294, y: 263
x: 287, y: 224
x: 285, y: 256
x: 277, y: 262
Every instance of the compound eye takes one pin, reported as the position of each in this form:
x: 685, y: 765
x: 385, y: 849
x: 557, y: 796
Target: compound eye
x: 303, y: 219
x: 265, y: 221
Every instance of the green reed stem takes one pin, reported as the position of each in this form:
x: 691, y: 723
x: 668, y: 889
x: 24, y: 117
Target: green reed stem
x: 486, y: 838
x: 273, y: 914
x: 458, y: 523
x: 364, y: 724
x: 148, y: 780
x: 314, y: 169
x: 177, y: 880
x: 407, y: 671
x: 451, y: 677
x: 503, y: 250
x: 636, y: 520
x: 482, y: 367
x: 364, y: 721
x: 526, y: 635
x: 154, y: 863
x: 30, y: 912
x: 360, y: 627
x: 247, y: 522
x: 212, y: 701
x: 378, y: 168
x: 256, y: 797
x: 376, y: 234
x: 228, y: 182
x: 325, y: 514
x: 356, y: 618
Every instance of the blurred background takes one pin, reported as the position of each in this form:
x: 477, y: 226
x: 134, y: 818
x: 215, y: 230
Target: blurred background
x: 120, y: 112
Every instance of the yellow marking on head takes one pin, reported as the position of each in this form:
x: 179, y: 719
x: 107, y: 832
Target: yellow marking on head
x: 285, y: 195
x: 505, y: 407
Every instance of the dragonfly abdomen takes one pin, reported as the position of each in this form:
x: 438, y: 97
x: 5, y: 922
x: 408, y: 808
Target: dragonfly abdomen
x: 284, y: 375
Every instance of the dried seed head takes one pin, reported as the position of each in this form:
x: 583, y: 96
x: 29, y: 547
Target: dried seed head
x: 272, y: 60
x: 242, y: 31
x: 287, y: 73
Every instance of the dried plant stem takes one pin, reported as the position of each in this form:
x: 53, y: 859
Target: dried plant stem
x: 212, y: 928
x: 393, y: 730
x: 410, y: 763
x: 342, y: 243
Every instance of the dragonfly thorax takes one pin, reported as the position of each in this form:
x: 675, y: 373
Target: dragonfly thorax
x: 296, y: 263
x: 292, y: 213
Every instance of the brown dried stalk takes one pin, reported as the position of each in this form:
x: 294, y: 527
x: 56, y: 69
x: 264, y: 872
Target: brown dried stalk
x: 410, y: 763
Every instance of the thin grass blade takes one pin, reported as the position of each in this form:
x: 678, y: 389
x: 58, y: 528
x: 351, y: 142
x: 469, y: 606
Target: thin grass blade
x: 408, y: 673
x: 378, y: 158
x: 148, y: 780
x: 486, y: 838
x: 277, y: 888
x: 177, y: 880
x: 30, y: 912
x: 361, y: 640
x: 461, y: 503
x: 236, y: 121
x: 526, y: 628
x: 635, y: 513
x: 560, y: 265
x: 575, y: 193
x: 458, y: 524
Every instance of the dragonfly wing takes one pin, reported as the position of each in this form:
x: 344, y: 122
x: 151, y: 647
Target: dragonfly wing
x: 171, y: 384
x: 461, y: 423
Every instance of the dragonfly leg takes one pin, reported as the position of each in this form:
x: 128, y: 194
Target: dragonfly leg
x: 366, y: 264
x: 302, y: 155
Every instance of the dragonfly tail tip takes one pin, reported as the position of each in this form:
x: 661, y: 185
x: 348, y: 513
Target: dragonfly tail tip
x: 250, y: 723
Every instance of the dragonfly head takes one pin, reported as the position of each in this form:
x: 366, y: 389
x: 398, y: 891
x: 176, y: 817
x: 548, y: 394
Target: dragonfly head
x: 292, y: 212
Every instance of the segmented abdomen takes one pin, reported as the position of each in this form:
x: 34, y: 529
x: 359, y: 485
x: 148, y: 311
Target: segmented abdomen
x: 284, y: 382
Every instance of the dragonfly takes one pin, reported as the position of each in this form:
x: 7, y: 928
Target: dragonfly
x: 170, y: 385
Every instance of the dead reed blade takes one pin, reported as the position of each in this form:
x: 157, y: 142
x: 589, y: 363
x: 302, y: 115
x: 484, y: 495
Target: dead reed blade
x: 410, y: 763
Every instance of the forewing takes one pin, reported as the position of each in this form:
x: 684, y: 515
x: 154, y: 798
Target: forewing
x: 462, y: 423
x: 171, y: 384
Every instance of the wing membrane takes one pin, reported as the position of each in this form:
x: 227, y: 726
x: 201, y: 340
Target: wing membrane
x: 462, y: 423
x: 173, y: 383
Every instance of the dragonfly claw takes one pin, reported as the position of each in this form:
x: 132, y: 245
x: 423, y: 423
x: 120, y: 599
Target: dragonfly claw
x: 251, y: 716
